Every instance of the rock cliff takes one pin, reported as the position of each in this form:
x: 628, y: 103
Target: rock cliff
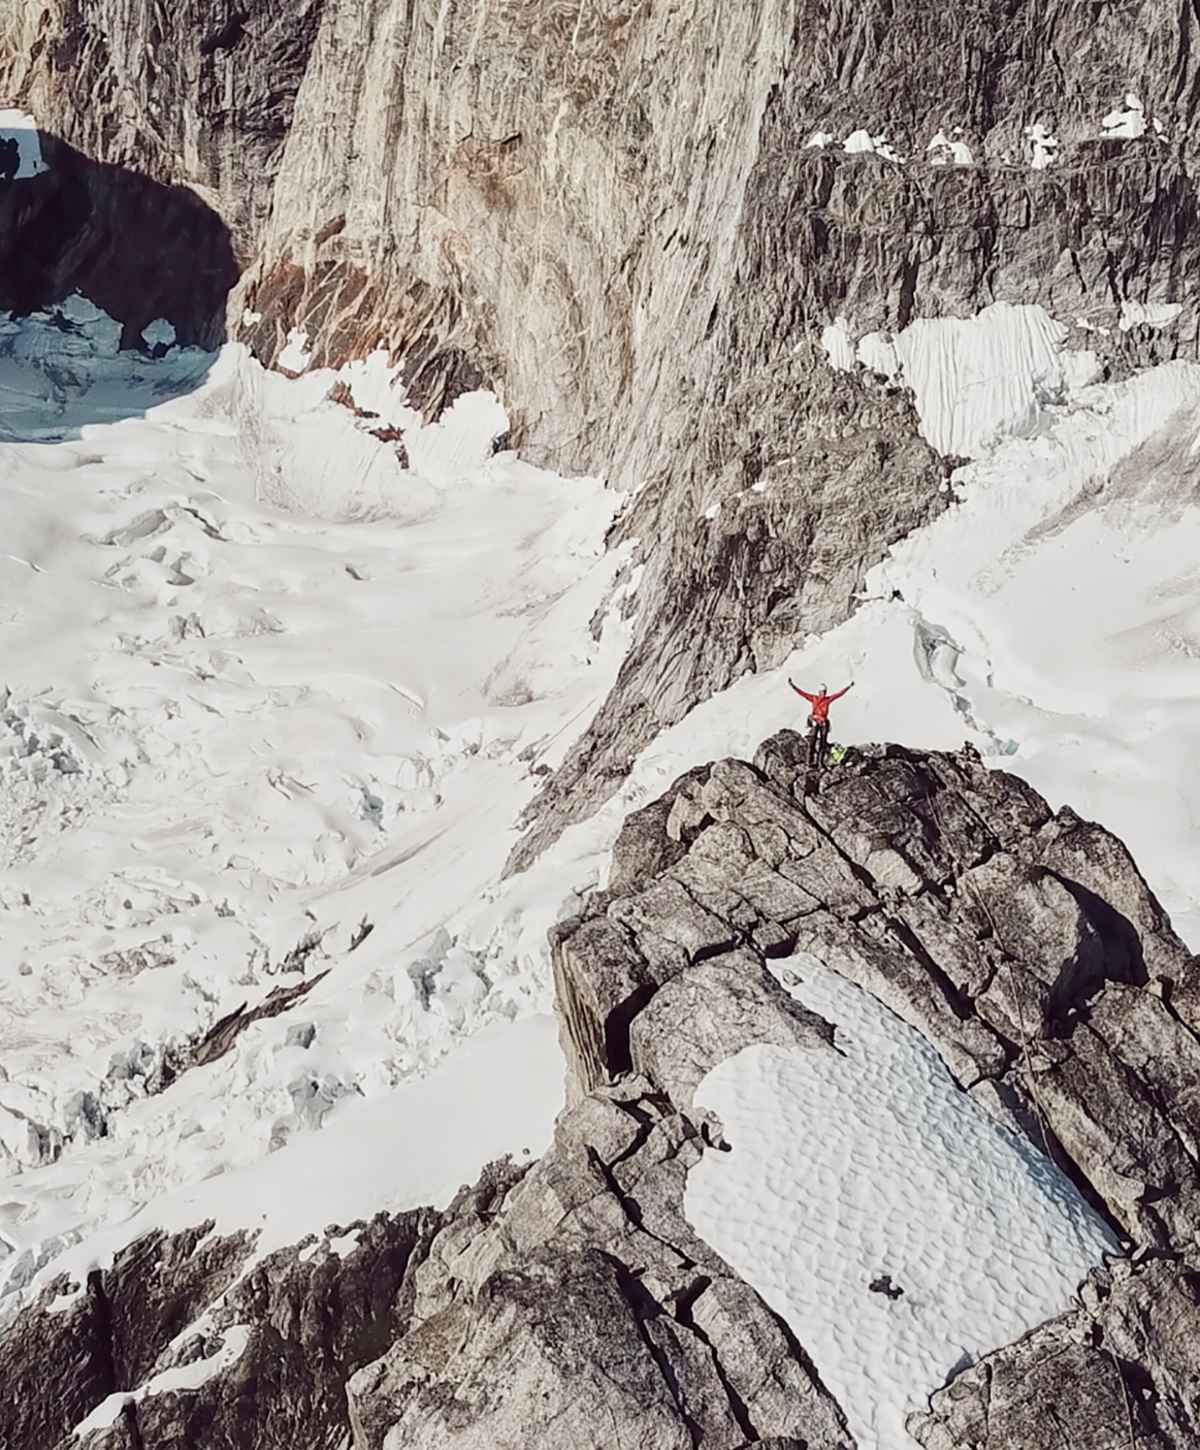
x: 571, y: 1303
x: 633, y: 222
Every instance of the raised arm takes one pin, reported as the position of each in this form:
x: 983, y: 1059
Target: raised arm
x: 840, y: 693
x: 812, y: 699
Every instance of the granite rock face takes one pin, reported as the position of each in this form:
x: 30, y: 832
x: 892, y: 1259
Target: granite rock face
x: 569, y: 1303
x: 633, y: 222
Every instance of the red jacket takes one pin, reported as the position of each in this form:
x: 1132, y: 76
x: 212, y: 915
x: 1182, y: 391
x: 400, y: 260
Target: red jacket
x: 820, y: 703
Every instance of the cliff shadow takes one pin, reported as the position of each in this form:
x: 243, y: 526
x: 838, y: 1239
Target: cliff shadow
x: 113, y: 288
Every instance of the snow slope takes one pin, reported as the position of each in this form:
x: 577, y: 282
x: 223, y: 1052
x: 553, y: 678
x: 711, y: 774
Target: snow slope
x: 264, y: 687
x: 856, y: 1174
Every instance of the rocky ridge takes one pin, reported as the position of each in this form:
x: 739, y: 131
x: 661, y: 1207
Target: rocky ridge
x: 570, y: 1303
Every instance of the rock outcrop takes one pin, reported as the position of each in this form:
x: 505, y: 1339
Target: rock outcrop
x: 570, y: 1303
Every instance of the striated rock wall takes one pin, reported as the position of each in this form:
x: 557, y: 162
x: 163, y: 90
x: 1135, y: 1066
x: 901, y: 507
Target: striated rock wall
x: 612, y: 214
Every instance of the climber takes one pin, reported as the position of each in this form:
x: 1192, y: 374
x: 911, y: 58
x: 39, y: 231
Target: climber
x: 10, y: 158
x: 818, y: 719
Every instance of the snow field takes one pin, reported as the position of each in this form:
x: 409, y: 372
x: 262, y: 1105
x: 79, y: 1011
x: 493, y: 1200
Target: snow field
x: 263, y: 684
x: 868, y: 1166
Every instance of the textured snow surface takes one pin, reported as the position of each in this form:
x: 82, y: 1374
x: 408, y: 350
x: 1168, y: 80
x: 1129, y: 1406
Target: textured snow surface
x: 977, y: 379
x: 861, y: 142
x: 262, y: 685
x: 1042, y: 147
x: 416, y: 1145
x: 839, y: 345
x: 946, y: 150
x: 848, y: 1166
x: 982, y: 376
x: 1148, y: 314
x: 296, y: 355
x: 1064, y: 588
x: 1127, y: 122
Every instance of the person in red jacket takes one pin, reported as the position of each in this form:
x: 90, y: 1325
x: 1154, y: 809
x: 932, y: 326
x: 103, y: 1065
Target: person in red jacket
x: 818, y: 719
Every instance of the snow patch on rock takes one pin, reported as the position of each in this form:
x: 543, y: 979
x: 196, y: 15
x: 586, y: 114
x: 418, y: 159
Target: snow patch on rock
x: 1126, y: 122
x: 297, y: 354
x: 1041, y: 146
x: 1148, y: 314
x: 862, y: 143
x: 839, y: 345
x: 159, y: 334
x: 946, y: 150
x: 880, y: 1211
x: 976, y: 379
x: 180, y: 1380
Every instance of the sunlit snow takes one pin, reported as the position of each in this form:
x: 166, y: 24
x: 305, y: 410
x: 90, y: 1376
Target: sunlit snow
x: 265, y: 687
x: 946, y: 150
x: 1042, y: 147
x: 861, y: 142
x: 296, y: 355
x: 1148, y: 314
x: 1127, y: 123
x: 869, y: 1166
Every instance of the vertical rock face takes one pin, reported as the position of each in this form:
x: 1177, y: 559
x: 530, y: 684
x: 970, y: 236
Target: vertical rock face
x: 633, y: 222
x: 570, y: 1304
x: 189, y: 93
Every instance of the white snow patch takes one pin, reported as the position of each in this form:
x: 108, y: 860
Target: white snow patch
x: 1041, y: 147
x: 977, y: 378
x: 839, y: 345
x: 250, y: 318
x: 861, y: 142
x: 974, y: 379
x: 1066, y: 578
x: 498, y: 1093
x: 1148, y: 314
x: 851, y: 1165
x: 946, y: 151
x: 159, y: 333
x: 1079, y: 368
x: 877, y: 352
x: 461, y: 439
x: 1126, y: 123
x: 182, y: 1380
x: 20, y: 127
x: 297, y: 354
x: 820, y: 139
